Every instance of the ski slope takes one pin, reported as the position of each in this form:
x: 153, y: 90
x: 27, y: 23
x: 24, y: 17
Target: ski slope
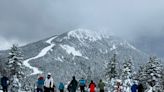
x: 42, y: 53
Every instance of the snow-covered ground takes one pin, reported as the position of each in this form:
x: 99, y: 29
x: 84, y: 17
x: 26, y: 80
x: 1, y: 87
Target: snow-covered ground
x: 71, y: 50
x: 42, y: 53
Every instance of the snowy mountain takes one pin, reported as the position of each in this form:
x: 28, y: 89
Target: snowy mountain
x: 79, y: 52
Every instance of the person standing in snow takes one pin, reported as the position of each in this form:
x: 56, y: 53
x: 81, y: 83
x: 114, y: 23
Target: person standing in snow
x: 134, y: 87
x: 69, y: 88
x: 61, y: 87
x: 48, y: 84
x: 101, y: 86
x: 4, y: 83
x: 40, y: 84
x: 73, y: 85
x: 82, y: 84
x: 92, y: 86
x: 140, y: 88
x: 118, y: 87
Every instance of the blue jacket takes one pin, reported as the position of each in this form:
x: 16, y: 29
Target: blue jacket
x: 40, y: 83
x: 61, y: 86
x: 134, y: 88
x: 4, y: 81
x: 82, y: 82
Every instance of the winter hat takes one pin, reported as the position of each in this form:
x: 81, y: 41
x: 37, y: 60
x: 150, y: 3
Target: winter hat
x: 119, y: 81
x: 49, y: 74
x: 40, y: 76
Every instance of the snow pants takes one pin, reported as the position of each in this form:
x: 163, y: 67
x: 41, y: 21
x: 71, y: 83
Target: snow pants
x: 47, y: 89
x: 101, y: 90
x: 39, y: 90
x: 4, y: 88
x: 62, y: 90
x: 82, y: 88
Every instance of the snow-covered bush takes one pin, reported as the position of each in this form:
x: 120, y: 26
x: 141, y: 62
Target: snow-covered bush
x: 151, y: 75
x: 127, y: 75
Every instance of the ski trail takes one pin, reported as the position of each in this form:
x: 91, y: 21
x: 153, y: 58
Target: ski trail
x: 42, y: 53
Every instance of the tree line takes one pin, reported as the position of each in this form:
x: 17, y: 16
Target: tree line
x: 150, y: 74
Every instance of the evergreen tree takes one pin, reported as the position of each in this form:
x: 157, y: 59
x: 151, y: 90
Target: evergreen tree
x: 16, y: 68
x: 27, y: 85
x: 111, y: 73
x: 111, y: 68
x: 89, y: 75
x: 127, y: 75
x: 163, y: 77
x: 151, y: 75
x: 141, y: 76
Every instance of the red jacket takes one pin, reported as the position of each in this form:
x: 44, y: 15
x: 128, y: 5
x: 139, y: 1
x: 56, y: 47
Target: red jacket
x: 92, y: 87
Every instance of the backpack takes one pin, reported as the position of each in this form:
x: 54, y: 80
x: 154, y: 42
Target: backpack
x: 61, y: 86
x: 82, y: 82
x: 92, y: 87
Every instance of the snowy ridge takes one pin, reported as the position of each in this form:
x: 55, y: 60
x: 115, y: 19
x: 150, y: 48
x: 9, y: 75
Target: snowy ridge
x: 42, y: 53
x: 83, y: 34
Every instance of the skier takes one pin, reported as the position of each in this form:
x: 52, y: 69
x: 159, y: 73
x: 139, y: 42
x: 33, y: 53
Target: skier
x: 73, y: 85
x: 61, y: 87
x: 134, y: 87
x: 140, y: 88
x: 48, y: 84
x: 82, y: 84
x: 4, y: 83
x: 92, y: 86
x: 118, y: 88
x: 40, y: 84
x: 101, y: 86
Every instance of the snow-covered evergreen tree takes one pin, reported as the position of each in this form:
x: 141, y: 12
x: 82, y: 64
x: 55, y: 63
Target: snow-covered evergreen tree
x: 111, y: 68
x: 111, y: 73
x: 27, y: 85
x: 15, y: 85
x: 127, y: 75
x: 151, y: 75
x: 16, y: 68
x: 141, y: 75
x: 89, y: 75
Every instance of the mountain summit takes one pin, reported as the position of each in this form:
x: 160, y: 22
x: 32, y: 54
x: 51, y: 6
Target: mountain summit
x: 80, y: 52
x: 83, y: 34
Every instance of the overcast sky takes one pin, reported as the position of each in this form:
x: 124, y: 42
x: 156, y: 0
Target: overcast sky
x: 24, y: 21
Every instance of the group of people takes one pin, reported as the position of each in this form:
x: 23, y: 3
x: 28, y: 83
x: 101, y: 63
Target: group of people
x: 47, y: 85
x: 133, y: 88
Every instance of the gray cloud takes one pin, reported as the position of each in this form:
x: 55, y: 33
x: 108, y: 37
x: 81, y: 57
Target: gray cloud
x: 31, y: 20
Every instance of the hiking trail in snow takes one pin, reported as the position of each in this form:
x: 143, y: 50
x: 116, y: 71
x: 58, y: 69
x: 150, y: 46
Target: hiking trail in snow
x: 42, y: 53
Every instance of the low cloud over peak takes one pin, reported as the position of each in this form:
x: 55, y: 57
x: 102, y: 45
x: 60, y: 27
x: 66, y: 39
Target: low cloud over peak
x: 31, y: 20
